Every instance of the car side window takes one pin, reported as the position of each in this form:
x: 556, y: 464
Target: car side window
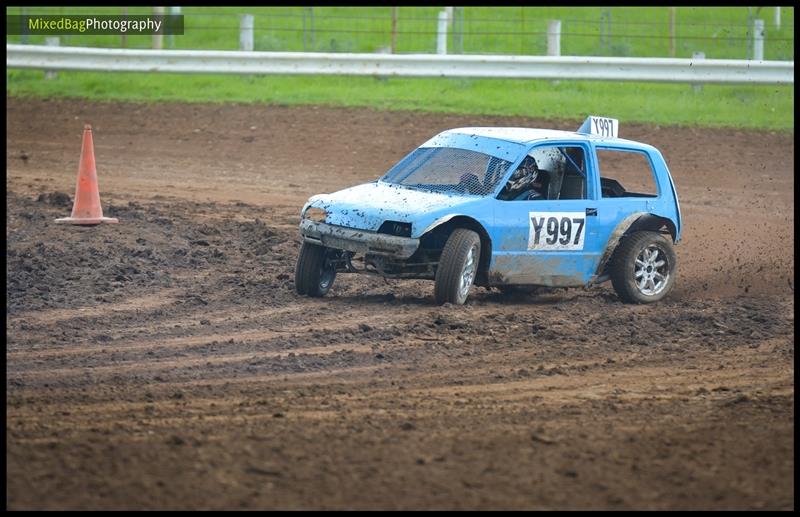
x: 548, y: 172
x: 626, y: 173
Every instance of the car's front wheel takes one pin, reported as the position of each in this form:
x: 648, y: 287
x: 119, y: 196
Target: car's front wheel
x: 644, y: 268
x: 315, y: 271
x: 458, y: 266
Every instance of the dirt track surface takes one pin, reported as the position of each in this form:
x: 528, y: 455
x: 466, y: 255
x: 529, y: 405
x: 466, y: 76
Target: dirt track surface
x: 166, y: 362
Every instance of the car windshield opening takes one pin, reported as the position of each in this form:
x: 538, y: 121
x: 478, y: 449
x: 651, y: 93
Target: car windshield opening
x: 448, y: 170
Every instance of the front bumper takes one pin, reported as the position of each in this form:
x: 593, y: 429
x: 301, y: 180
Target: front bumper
x: 357, y: 241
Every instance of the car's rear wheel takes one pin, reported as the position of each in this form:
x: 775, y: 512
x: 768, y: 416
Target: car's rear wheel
x: 315, y: 271
x: 458, y: 266
x: 644, y: 268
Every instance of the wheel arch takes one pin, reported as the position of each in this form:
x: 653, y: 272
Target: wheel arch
x: 639, y: 221
x: 653, y: 223
x: 443, y: 227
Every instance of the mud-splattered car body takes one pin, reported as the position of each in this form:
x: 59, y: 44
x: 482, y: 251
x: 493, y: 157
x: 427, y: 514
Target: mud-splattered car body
x: 401, y: 222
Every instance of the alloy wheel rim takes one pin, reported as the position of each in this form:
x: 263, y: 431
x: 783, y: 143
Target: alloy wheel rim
x: 651, y: 271
x: 467, y: 274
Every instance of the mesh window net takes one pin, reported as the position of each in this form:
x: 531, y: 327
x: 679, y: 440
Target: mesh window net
x: 448, y: 170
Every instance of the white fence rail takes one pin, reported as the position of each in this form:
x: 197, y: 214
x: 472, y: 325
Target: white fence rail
x: 409, y: 65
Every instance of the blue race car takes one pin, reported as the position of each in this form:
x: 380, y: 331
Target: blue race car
x: 504, y: 207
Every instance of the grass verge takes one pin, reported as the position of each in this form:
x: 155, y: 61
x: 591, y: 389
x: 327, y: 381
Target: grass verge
x: 748, y: 107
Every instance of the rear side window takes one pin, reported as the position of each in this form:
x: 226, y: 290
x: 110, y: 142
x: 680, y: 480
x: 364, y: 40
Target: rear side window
x: 626, y: 174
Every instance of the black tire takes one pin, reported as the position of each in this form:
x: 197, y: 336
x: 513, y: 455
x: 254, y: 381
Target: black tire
x: 453, y: 266
x: 314, y: 274
x: 657, y: 274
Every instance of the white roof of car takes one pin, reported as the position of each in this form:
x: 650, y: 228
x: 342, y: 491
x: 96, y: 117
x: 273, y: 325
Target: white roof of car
x: 520, y: 134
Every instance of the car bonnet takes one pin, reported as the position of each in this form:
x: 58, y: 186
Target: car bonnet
x: 367, y: 206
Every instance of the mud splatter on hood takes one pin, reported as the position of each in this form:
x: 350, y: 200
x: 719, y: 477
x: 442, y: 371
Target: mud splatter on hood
x: 367, y: 206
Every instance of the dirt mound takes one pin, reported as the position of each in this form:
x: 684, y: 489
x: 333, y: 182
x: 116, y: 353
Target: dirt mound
x: 53, y: 266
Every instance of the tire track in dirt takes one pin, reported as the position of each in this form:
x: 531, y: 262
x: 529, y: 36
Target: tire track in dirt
x: 644, y: 378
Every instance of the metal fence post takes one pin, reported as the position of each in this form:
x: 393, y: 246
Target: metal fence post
x: 246, y: 32
x: 554, y: 37
x: 697, y: 87
x: 158, y: 39
x: 51, y: 42
x: 777, y: 17
x: 441, y: 34
x: 758, y: 40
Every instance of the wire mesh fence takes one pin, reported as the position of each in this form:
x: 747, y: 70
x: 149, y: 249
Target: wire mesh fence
x: 717, y: 32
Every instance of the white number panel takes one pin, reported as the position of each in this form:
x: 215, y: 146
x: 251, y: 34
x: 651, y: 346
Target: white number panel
x: 600, y: 126
x: 604, y: 126
x: 556, y: 231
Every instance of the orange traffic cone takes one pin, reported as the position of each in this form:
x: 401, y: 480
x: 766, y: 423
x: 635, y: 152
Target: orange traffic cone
x: 87, y: 210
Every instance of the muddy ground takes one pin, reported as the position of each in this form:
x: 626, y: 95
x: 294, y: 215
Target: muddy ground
x: 167, y: 363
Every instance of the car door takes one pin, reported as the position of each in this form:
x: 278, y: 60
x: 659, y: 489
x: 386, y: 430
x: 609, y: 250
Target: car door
x: 628, y: 186
x: 554, y: 241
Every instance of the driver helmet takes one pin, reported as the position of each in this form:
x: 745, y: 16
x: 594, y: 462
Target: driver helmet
x: 525, y: 177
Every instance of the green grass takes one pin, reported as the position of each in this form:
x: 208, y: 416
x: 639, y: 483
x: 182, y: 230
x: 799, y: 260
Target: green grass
x: 720, y: 32
x: 754, y: 107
